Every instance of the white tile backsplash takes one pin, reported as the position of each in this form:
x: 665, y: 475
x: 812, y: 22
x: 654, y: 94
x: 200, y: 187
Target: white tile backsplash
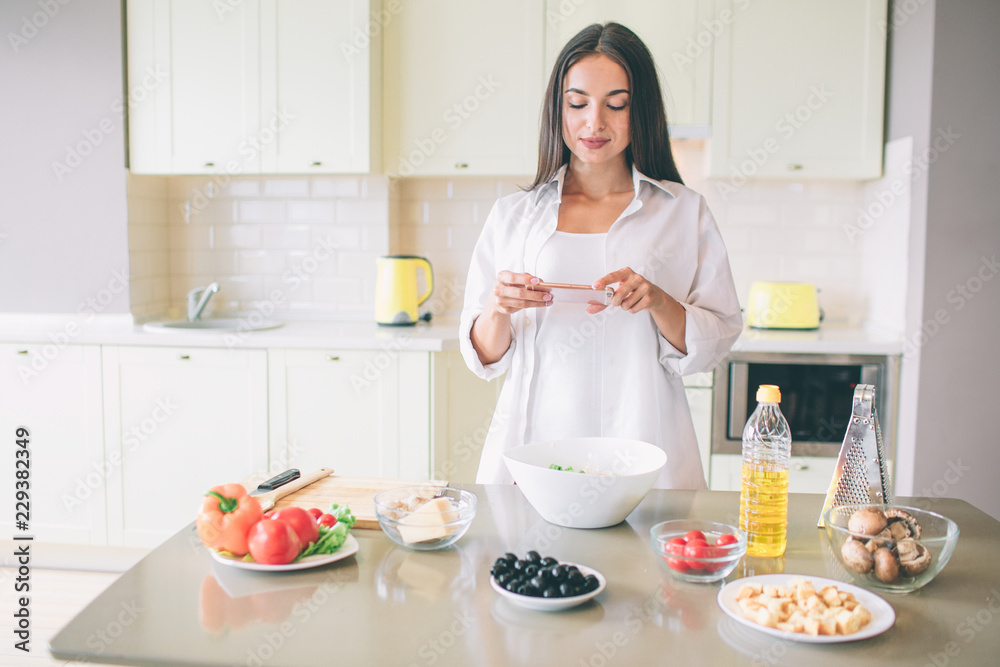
x: 313, y: 240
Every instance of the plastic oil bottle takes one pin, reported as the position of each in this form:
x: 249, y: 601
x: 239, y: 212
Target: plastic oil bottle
x: 767, y: 451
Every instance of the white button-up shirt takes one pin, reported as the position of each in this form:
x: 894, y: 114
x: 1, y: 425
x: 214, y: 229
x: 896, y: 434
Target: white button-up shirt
x: 666, y: 234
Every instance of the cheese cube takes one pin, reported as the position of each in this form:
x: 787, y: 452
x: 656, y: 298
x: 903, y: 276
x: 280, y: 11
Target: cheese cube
x: 427, y: 522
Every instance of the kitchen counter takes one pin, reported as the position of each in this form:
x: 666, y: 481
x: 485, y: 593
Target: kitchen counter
x: 828, y: 339
x: 440, y: 335
x: 389, y: 606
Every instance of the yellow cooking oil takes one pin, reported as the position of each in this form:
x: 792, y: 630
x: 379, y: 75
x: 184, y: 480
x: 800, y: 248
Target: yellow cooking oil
x: 764, y: 509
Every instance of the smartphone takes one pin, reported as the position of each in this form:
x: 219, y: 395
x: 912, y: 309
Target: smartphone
x: 568, y: 293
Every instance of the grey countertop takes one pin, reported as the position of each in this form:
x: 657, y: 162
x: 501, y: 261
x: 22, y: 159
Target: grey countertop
x: 390, y: 606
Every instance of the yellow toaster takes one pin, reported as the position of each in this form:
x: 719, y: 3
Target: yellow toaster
x: 782, y: 306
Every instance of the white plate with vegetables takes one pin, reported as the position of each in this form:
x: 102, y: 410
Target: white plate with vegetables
x: 348, y: 548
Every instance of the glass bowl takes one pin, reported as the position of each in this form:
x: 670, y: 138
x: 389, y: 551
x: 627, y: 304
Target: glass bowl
x: 923, y: 556
x: 425, y: 518
x: 701, y: 565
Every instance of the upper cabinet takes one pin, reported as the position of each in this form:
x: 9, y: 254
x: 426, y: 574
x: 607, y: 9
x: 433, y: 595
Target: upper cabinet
x: 678, y: 34
x: 463, y: 86
x: 799, y: 90
x: 258, y: 86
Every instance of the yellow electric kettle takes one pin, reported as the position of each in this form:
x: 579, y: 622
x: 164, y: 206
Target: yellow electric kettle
x: 396, y: 297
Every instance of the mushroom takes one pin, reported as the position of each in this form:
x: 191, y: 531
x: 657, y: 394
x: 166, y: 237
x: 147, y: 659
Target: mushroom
x: 867, y: 521
x: 902, y: 524
x: 883, y: 539
x: 886, y: 566
x: 856, y: 556
x: 914, y: 557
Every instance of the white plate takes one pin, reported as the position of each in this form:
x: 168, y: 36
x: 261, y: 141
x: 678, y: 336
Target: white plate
x: 553, y: 604
x: 348, y: 548
x: 883, y: 615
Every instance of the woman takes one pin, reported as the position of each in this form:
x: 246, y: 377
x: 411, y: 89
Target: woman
x: 607, y: 207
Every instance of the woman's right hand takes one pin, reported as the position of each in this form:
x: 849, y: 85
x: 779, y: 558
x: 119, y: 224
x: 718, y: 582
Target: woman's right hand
x: 511, y: 294
x: 491, y: 331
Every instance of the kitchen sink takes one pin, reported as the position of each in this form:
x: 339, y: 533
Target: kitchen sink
x: 221, y: 324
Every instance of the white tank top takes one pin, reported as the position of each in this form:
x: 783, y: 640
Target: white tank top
x: 564, y: 398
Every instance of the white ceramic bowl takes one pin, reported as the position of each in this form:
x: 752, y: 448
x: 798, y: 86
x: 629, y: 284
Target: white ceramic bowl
x: 584, y: 500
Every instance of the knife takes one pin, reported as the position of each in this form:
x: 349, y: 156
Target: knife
x: 278, y: 480
x: 293, y: 483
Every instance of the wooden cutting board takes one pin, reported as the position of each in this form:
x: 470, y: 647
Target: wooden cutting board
x: 356, y: 492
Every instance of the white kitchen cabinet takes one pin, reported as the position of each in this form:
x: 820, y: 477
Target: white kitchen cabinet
x: 463, y: 87
x: 698, y: 389
x: 462, y: 411
x: 178, y: 421
x: 339, y: 409
x: 799, y: 90
x: 317, y: 60
x: 250, y: 87
x: 53, y: 390
x: 194, y: 86
x: 807, y: 474
x: 678, y: 34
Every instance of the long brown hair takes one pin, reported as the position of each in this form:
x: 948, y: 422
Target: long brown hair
x: 649, y: 143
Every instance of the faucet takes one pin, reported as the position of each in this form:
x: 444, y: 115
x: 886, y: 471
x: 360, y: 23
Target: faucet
x: 198, y: 299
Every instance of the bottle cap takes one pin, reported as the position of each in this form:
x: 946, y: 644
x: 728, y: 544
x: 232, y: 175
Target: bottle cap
x: 768, y: 393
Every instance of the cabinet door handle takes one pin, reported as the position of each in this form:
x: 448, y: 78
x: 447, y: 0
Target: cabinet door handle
x: 461, y: 165
x: 800, y: 466
x: 795, y: 167
x: 185, y: 357
x: 21, y: 352
x: 331, y: 357
x: 317, y: 163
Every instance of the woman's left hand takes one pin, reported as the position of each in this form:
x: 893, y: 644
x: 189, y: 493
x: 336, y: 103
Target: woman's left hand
x: 633, y: 293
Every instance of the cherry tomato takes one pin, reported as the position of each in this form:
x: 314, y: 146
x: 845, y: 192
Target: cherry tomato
x: 695, y: 549
x: 273, y: 542
x: 301, y: 521
x: 725, y: 540
x: 675, y: 545
x: 694, y: 535
x: 328, y: 520
x: 316, y: 512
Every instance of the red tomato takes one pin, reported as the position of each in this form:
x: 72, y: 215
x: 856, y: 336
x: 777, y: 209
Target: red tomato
x: 328, y: 520
x: 676, y: 546
x: 316, y: 512
x: 694, y: 535
x: 273, y: 542
x: 696, y: 549
x: 725, y: 540
x: 301, y: 521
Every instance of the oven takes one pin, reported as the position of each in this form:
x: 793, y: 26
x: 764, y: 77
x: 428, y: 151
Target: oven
x: 817, y: 391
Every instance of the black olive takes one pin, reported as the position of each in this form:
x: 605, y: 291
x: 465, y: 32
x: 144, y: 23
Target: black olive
x: 591, y: 582
x: 565, y: 590
x: 531, y: 570
x: 522, y: 589
x: 533, y: 556
x: 550, y: 593
x: 559, y: 571
x: 509, y: 557
x: 549, y: 562
x: 519, y: 565
x: 537, y: 581
x: 575, y: 577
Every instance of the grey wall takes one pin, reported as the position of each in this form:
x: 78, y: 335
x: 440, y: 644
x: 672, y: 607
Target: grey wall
x: 910, y: 64
x: 63, y: 237
x: 958, y: 444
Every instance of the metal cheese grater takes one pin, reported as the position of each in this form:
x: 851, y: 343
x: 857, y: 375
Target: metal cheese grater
x: 861, y: 476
